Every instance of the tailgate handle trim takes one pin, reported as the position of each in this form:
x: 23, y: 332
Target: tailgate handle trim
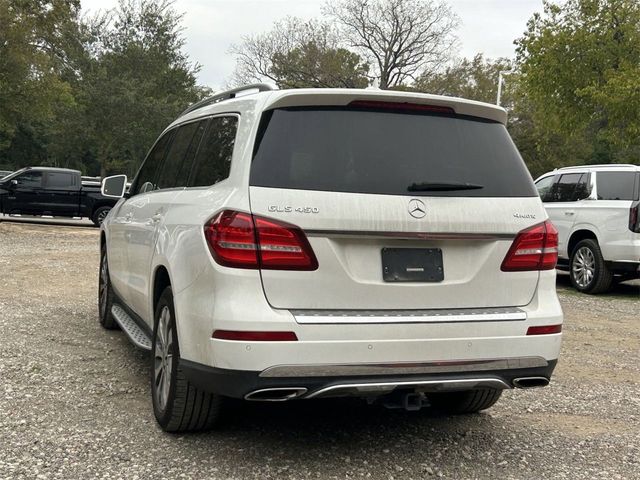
x: 411, y: 235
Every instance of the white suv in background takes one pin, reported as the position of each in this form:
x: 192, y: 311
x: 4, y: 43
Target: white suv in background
x: 595, y: 209
x: 314, y: 243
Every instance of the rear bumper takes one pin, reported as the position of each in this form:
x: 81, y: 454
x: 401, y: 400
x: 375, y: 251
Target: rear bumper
x: 318, y: 384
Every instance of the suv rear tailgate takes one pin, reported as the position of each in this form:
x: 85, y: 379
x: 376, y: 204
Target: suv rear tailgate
x: 361, y: 180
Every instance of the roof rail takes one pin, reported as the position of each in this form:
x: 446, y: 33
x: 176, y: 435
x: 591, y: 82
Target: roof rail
x: 600, y: 165
x: 227, y: 95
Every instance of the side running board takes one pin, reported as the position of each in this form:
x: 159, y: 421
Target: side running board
x: 136, y: 335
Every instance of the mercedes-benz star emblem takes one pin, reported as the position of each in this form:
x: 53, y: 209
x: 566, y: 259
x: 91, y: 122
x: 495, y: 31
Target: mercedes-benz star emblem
x: 417, y: 208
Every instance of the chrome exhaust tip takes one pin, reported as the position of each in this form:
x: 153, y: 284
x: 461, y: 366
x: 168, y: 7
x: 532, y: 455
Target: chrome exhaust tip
x: 530, y: 382
x: 281, y: 394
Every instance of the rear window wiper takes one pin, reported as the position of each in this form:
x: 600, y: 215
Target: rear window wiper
x: 442, y: 186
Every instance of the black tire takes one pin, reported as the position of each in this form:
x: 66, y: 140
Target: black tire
x: 105, y: 293
x: 99, y: 215
x: 466, y: 401
x: 588, y: 271
x: 185, y: 407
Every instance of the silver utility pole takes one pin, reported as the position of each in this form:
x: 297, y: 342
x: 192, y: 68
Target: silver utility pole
x: 500, y: 80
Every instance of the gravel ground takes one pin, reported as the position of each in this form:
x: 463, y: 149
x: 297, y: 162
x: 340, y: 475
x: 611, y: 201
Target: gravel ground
x: 75, y: 399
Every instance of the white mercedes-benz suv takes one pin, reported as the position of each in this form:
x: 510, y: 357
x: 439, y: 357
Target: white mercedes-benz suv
x: 294, y: 244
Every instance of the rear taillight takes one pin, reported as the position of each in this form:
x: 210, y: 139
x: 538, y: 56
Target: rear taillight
x: 634, y: 217
x: 535, y: 248
x: 232, y: 240
x: 242, y: 240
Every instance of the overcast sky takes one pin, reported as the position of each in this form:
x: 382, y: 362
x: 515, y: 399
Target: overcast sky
x: 211, y: 26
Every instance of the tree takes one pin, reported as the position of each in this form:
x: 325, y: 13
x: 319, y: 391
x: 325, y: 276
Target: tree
x: 580, y: 64
x: 401, y: 38
x: 35, y: 40
x: 475, y: 79
x: 295, y: 53
x: 138, y: 81
x: 312, y: 66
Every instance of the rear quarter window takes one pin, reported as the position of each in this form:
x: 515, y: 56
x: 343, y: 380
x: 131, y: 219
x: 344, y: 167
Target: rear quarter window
x: 385, y: 152
x: 213, y: 160
x: 616, y: 185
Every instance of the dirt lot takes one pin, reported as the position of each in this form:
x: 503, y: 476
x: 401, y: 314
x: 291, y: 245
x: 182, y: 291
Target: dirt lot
x: 75, y: 399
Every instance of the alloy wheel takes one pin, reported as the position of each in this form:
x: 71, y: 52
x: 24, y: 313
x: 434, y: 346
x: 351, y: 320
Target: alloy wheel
x: 103, y: 285
x: 583, y: 268
x: 163, y: 358
x: 101, y: 216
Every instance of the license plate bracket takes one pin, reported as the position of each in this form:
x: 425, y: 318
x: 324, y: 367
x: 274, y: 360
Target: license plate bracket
x: 412, y: 265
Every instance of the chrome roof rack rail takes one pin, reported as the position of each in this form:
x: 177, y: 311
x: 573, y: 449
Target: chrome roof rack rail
x: 227, y: 95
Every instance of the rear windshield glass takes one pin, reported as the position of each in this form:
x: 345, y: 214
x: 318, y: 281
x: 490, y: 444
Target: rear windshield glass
x: 388, y: 152
x: 616, y: 185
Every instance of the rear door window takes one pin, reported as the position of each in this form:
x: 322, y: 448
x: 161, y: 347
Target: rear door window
x: 61, y: 180
x: 387, y: 152
x: 213, y: 161
x: 616, y: 185
x: 179, y: 159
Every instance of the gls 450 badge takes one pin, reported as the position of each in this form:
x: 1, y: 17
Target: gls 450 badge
x: 287, y: 209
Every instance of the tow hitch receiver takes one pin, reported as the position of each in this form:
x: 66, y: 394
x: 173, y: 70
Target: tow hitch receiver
x: 409, y: 401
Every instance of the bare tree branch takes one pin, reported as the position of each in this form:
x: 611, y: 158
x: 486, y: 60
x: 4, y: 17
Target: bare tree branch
x: 401, y: 38
x: 255, y: 55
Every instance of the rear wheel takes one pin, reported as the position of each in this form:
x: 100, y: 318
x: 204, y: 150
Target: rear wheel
x: 99, y: 215
x: 467, y: 401
x: 588, y: 271
x: 178, y: 405
x: 105, y: 293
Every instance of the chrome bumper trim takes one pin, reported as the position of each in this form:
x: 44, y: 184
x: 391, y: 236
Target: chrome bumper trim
x: 402, y: 368
x: 496, y: 314
x: 363, y: 389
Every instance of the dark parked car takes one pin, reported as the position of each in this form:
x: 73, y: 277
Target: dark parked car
x: 58, y: 192
x: 4, y: 173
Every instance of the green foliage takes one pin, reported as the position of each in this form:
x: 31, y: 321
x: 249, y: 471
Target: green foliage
x: 32, y: 63
x: 138, y: 82
x: 89, y: 93
x: 580, y: 63
x: 313, y: 66
x: 475, y: 79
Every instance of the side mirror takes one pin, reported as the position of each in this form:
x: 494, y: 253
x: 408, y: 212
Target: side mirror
x: 14, y: 182
x: 114, y: 186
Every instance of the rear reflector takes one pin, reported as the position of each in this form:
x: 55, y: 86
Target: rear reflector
x: 535, y: 248
x: 544, y: 330
x: 255, y: 336
x: 241, y: 240
x: 414, y: 107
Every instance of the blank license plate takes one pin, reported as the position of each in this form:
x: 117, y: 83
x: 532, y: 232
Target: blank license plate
x: 412, y: 265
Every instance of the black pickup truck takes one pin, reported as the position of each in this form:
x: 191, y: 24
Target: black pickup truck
x: 58, y: 192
